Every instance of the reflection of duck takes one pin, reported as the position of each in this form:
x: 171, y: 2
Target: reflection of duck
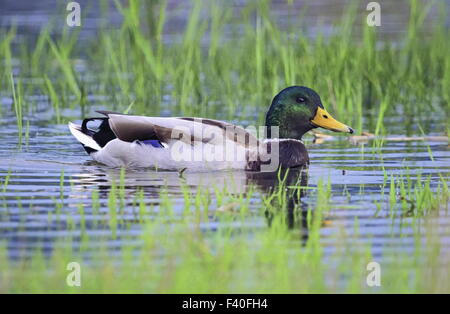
x: 151, y: 183
x: 295, y: 182
x: 202, y: 144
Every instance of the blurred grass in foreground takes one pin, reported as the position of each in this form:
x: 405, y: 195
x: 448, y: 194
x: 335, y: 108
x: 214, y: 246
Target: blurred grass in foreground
x: 185, y: 254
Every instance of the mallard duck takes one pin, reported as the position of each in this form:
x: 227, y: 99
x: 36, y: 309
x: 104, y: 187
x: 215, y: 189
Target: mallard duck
x: 206, y: 144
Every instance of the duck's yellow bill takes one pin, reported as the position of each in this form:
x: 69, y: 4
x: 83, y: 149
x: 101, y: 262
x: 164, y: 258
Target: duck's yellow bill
x: 326, y: 121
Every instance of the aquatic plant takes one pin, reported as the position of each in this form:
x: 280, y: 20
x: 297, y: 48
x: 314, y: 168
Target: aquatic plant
x: 179, y: 253
x: 226, y: 65
x: 211, y: 73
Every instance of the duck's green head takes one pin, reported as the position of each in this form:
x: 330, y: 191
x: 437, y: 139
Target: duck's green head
x: 298, y: 109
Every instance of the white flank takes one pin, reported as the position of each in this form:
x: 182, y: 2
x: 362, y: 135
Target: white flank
x: 118, y: 153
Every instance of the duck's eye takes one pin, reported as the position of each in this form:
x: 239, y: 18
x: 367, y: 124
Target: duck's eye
x: 300, y: 100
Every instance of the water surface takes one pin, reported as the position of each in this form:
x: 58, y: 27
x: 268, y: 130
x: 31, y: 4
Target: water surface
x: 50, y: 175
x: 356, y: 173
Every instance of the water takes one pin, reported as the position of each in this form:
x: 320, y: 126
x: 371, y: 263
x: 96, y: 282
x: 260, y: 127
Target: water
x: 316, y: 16
x: 34, y: 188
x: 356, y: 173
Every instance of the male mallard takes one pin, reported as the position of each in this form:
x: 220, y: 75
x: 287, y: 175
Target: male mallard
x: 205, y: 144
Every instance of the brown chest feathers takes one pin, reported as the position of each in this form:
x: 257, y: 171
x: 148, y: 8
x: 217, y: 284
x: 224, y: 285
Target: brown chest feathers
x: 278, y: 153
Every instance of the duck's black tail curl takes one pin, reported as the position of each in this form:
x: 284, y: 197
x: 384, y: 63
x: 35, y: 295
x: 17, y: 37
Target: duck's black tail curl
x: 103, y: 135
x: 93, y: 140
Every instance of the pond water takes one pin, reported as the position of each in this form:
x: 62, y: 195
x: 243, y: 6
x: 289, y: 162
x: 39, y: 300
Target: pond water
x: 43, y: 181
x: 35, y: 186
x: 316, y: 16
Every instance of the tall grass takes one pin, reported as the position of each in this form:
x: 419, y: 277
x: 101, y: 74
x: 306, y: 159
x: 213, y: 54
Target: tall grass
x: 17, y: 102
x: 233, y: 62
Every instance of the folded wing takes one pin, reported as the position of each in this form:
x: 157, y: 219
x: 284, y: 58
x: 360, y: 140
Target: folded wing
x: 190, y: 130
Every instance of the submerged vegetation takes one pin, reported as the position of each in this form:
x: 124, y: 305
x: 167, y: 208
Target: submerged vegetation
x: 210, y: 239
